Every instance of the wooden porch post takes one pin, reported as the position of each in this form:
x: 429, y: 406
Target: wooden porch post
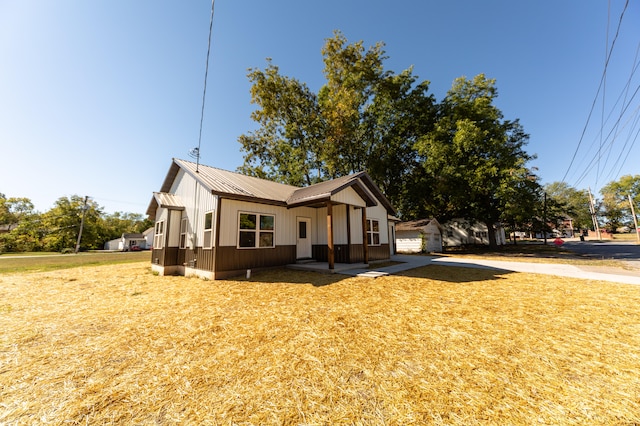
x: 331, y: 256
x: 365, y: 242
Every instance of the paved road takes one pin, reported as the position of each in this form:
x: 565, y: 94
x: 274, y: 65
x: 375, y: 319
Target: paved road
x: 606, y: 249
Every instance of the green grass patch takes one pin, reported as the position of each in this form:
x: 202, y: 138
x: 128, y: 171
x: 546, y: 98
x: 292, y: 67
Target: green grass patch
x: 51, y: 262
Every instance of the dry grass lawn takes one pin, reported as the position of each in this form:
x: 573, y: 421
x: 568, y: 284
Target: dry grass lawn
x: 440, y: 345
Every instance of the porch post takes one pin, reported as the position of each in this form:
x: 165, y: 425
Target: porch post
x: 331, y: 257
x: 365, y: 242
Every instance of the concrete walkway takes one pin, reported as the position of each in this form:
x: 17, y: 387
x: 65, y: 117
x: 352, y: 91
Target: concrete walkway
x: 564, y: 270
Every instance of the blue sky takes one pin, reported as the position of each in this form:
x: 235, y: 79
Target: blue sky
x: 97, y: 97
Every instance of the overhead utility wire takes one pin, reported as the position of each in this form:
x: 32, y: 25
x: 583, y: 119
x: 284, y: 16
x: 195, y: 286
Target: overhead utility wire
x: 595, y: 99
x: 615, y: 130
x: 204, y: 91
x: 625, y: 105
x: 604, y: 91
x: 596, y: 158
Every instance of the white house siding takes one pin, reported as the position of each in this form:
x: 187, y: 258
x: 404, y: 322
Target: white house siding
x: 112, y: 244
x: 285, y: 221
x: 340, y: 235
x: 197, y: 201
x: 379, y: 213
x: 174, y: 228
x: 348, y: 196
x: 409, y: 241
x: 460, y: 232
x: 356, y: 225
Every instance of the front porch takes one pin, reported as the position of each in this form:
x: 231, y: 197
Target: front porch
x: 324, y: 267
x: 400, y: 263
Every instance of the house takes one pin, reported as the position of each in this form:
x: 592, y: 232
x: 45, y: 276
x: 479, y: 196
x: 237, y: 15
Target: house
x: 215, y: 224
x: 458, y: 232
x: 148, y: 237
x: 127, y: 242
x: 7, y: 227
x: 417, y: 236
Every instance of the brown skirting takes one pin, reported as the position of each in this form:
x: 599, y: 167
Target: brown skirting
x: 350, y: 254
x: 234, y: 259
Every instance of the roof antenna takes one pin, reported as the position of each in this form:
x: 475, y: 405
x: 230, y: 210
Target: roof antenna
x: 195, y: 152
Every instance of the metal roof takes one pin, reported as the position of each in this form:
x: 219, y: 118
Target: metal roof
x: 416, y: 225
x: 242, y: 187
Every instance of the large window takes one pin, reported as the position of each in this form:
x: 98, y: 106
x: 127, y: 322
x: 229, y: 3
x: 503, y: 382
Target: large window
x: 256, y: 230
x: 373, y: 232
x: 208, y: 230
x: 158, y: 237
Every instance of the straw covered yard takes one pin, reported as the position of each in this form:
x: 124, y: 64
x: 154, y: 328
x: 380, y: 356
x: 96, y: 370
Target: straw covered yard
x: 440, y: 345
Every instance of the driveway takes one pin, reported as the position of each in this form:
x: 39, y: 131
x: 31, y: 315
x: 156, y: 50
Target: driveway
x: 559, y: 269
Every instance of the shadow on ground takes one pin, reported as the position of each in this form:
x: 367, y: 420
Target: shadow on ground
x: 453, y: 274
x: 456, y: 274
x: 292, y: 276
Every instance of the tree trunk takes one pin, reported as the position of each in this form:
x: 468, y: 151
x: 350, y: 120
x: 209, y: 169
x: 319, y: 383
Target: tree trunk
x: 492, y: 235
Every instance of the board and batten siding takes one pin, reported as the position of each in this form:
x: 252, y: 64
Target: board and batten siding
x: 348, y: 196
x: 379, y: 213
x: 197, y: 202
x: 339, y: 225
x: 285, y: 221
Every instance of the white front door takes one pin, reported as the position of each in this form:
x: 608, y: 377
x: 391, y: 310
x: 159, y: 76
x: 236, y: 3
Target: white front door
x: 303, y: 246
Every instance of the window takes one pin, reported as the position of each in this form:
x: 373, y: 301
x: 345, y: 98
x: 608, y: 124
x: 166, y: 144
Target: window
x: 256, y: 230
x: 373, y: 232
x: 302, y: 231
x: 208, y: 230
x: 158, y: 237
x: 183, y: 233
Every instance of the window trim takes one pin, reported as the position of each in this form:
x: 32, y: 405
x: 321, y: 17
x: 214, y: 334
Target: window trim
x: 183, y: 232
x: 206, y: 230
x: 371, y: 232
x: 256, y: 231
x: 158, y: 237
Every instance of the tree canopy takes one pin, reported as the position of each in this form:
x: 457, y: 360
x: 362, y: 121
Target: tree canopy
x: 57, y: 229
x: 459, y: 157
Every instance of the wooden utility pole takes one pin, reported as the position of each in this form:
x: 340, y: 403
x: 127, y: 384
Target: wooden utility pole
x: 594, y: 218
x: 635, y: 219
x: 544, y: 219
x: 84, y: 212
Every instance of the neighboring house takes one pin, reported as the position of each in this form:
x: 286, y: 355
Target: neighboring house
x: 215, y: 224
x: 7, y: 227
x: 148, y: 237
x: 134, y: 241
x: 113, y: 245
x: 127, y: 242
x: 458, y: 232
x: 417, y: 236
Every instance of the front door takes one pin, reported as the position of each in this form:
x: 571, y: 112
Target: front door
x: 303, y: 246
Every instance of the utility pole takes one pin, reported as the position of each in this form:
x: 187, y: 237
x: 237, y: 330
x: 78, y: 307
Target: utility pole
x: 635, y: 219
x: 594, y: 218
x: 544, y: 219
x: 84, y: 212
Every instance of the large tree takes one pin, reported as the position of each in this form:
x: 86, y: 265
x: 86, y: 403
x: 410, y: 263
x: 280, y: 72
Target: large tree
x: 571, y: 202
x: 362, y: 118
x: 287, y: 147
x: 615, y: 201
x: 61, y: 224
x: 475, y: 156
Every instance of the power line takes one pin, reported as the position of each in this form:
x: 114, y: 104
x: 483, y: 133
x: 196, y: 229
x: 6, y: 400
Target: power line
x: 600, y: 86
x: 204, y: 91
